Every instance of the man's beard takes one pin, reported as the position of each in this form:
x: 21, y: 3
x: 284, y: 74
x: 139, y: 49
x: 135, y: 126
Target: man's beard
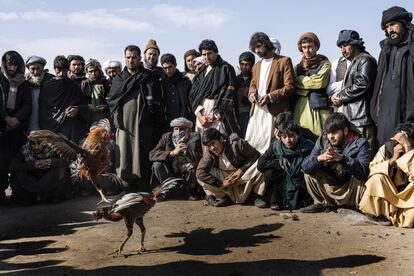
x: 150, y: 65
x: 36, y: 80
x: 397, y: 40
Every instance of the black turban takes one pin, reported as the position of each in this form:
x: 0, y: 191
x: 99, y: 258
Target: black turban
x: 247, y: 56
x: 349, y: 37
x: 398, y: 14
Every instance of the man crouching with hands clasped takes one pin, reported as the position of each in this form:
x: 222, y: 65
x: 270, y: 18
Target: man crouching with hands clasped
x: 229, y: 170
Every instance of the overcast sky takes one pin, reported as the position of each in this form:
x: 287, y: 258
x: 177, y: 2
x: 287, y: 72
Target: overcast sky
x: 101, y: 29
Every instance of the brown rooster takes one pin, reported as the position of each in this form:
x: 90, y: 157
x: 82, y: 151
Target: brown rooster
x: 131, y: 207
x: 91, y: 160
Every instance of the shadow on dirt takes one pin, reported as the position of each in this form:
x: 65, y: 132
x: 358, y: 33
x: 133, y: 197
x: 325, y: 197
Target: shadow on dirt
x: 263, y: 267
x: 203, y: 241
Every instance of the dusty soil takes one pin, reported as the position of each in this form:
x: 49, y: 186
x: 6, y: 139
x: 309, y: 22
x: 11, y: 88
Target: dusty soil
x: 188, y: 238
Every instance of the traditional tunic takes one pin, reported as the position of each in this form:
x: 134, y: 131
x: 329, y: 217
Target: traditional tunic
x: 383, y: 195
x: 135, y: 103
x: 314, y: 80
x: 261, y: 124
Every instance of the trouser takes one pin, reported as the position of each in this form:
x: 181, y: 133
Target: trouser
x: 369, y: 133
x: 273, y: 190
x: 321, y: 186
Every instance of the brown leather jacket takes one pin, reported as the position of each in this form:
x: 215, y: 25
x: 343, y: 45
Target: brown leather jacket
x: 239, y: 153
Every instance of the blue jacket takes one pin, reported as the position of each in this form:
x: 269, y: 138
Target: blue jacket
x: 356, y: 157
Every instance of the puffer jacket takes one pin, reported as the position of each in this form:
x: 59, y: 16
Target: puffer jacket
x: 357, y: 90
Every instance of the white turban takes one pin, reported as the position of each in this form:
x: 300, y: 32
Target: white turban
x: 277, y: 45
x: 111, y: 64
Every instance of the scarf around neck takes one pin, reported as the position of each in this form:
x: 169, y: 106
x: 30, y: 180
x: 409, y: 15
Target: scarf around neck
x: 308, y: 63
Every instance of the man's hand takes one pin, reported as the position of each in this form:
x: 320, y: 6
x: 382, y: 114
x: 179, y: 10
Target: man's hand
x: 232, y: 178
x: 403, y: 139
x: 329, y: 156
x: 72, y: 111
x: 252, y: 98
x: 181, y: 146
x: 205, y: 121
x: 12, y: 122
x: 398, y: 152
x: 43, y: 164
x: 264, y: 100
x: 336, y: 99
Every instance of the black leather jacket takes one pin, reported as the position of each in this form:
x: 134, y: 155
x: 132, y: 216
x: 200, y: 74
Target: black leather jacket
x: 357, y: 90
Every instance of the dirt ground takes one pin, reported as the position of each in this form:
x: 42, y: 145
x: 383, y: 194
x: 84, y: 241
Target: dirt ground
x: 188, y: 238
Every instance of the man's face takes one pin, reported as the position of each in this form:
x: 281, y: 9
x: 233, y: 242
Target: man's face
x: 76, y: 67
x: 61, y: 73
x: 169, y: 69
x: 308, y: 49
x: 396, y: 31
x: 113, y: 71
x: 289, y: 139
x: 245, y: 67
x: 93, y: 73
x: 337, y: 138
x: 216, y: 146
x: 132, y: 60
x: 151, y: 55
x: 209, y: 55
x: 348, y: 51
x: 36, y: 145
x: 260, y: 50
x: 36, y: 69
x: 11, y: 69
x: 189, y: 62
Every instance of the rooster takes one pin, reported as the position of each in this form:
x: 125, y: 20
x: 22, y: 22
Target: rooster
x: 131, y: 207
x: 91, y: 159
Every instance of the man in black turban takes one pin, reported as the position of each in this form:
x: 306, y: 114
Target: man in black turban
x: 392, y: 101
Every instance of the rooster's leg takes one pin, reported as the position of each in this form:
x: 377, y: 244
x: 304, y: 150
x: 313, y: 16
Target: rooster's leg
x: 140, y: 222
x: 130, y: 228
x: 94, y: 182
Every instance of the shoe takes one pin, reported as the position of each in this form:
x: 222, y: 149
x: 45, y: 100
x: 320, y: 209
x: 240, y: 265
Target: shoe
x: 211, y: 200
x: 223, y: 202
x: 260, y: 203
x: 313, y: 208
x: 275, y: 207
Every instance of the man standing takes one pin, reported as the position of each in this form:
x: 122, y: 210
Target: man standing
x: 393, y: 97
x: 59, y: 104
x: 270, y: 91
x: 95, y: 90
x: 246, y: 62
x: 312, y: 77
x: 175, y: 88
x: 15, y: 109
x: 76, y: 68
x: 356, y: 90
x: 151, y: 55
x: 213, y: 92
x: 36, y: 78
x: 337, y: 167
x: 135, y: 103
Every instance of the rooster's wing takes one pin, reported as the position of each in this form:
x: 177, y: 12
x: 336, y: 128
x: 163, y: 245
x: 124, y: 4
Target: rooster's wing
x: 66, y: 149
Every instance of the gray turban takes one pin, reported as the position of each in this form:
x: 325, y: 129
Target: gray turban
x: 35, y: 59
x: 92, y: 62
x: 181, y: 122
x: 277, y: 45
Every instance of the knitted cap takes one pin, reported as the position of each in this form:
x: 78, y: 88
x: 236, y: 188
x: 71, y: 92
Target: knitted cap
x: 152, y: 44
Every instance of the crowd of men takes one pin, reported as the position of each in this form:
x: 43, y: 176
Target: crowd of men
x: 313, y: 136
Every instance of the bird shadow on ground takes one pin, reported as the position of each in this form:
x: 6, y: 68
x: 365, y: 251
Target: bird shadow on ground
x: 200, y: 268
x: 203, y: 241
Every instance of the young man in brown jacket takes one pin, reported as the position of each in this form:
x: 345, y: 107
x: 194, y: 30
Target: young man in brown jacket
x: 228, y: 170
